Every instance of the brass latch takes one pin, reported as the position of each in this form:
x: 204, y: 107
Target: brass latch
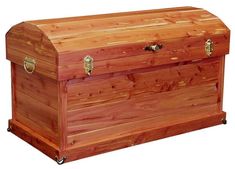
x: 153, y: 47
x: 209, y: 47
x: 29, y: 64
x: 88, y: 64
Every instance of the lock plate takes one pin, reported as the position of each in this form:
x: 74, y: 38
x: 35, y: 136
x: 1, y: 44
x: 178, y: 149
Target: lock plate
x: 88, y: 64
x: 209, y: 47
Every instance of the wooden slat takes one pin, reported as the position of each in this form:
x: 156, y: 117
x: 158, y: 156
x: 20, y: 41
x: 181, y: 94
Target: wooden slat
x: 36, y: 103
x: 60, y: 45
x: 26, y: 40
x: 95, y: 104
x: 143, y: 34
x: 221, y: 84
x: 129, y: 129
x: 13, y: 89
x: 182, y: 126
x: 42, y: 67
x: 40, y: 88
x: 37, y: 116
x: 62, y: 114
x: 170, y: 49
x: 78, y: 27
x: 92, y: 17
x: 28, y: 36
x: 36, y: 140
x: 134, y: 57
x: 142, y: 106
x: 88, y: 93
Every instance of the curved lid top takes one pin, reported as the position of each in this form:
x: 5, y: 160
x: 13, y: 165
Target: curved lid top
x: 78, y: 33
x: 58, y: 41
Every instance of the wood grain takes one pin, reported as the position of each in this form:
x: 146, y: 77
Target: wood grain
x: 36, y: 103
x: 91, y: 17
x: 221, y: 84
x: 26, y: 39
x: 38, y: 87
x: 70, y: 29
x: 60, y: 45
x: 35, y: 139
x: 132, y: 96
x: 135, y: 115
x: 95, y: 104
x: 89, y: 93
x: 173, y: 51
x: 62, y: 114
x: 13, y: 87
x: 177, y: 127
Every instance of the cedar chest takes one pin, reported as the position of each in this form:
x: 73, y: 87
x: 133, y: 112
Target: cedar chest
x: 88, y: 85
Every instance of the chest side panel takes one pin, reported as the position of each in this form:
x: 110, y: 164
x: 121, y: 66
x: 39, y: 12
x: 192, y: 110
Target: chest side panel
x: 26, y: 40
x: 117, y: 105
x: 36, y: 103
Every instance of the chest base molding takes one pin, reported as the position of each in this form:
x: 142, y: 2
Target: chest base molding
x: 180, y: 126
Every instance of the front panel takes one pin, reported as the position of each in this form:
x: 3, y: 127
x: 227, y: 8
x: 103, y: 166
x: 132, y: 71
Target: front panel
x: 113, y: 106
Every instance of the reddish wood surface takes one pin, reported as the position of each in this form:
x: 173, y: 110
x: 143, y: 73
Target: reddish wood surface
x: 221, y: 84
x: 34, y: 138
x: 62, y: 114
x: 113, y: 144
x: 136, y: 114
x: 132, y: 96
x: 115, y: 88
x: 110, y: 15
x: 26, y: 40
x: 95, y: 104
x: 144, y: 136
x: 60, y: 45
x: 13, y: 91
x: 36, y: 103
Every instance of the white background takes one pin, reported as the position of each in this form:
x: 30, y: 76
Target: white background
x: 209, y: 148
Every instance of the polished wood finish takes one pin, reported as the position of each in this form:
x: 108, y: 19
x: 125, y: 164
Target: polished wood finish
x: 132, y: 96
x: 60, y: 45
x: 36, y: 103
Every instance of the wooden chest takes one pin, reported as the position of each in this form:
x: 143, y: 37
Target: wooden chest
x: 87, y: 85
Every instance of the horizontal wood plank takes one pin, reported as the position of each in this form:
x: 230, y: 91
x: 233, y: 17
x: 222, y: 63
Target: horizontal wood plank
x: 142, y: 34
x: 139, y: 127
x: 37, y: 116
x: 112, y: 15
x: 36, y: 103
x: 88, y: 92
x: 134, y: 57
x: 183, y: 126
x: 40, y: 88
x: 116, y: 41
x: 78, y: 27
x: 35, y: 139
x: 145, y: 95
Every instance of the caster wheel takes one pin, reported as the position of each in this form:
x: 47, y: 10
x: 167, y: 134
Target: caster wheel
x: 224, y: 121
x: 60, y: 161
x: 9, y: 129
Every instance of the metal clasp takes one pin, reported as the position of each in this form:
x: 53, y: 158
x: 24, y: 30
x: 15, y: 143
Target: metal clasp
x: 88, y: 64
x: 209, y: 47
x: 29, y: 65
x: 153, y: 47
